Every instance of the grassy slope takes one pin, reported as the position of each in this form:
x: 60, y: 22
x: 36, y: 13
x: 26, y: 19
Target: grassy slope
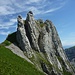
x: 11, y: 64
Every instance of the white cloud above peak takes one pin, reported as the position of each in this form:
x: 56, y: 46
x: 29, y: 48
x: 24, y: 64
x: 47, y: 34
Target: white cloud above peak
x: 39, y: 6
x: 4, y: 32
x: 12, y: 7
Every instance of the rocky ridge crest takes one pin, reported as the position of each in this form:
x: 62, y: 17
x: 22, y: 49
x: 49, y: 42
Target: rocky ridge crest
x: 41, y: 44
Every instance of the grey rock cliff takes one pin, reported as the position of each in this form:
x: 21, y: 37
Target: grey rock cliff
x: 41, y: 44
x: 31, y: 28
x: 22, y: 38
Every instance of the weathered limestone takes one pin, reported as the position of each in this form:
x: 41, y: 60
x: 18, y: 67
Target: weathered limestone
x: 46, y: 45
x: 22, y: 38
x: 33, y: 38
x: 32, y: 29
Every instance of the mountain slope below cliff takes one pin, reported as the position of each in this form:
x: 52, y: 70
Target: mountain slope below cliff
x: 11, y: 64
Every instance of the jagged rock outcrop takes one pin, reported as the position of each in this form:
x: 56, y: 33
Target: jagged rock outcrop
x: 41, y: 44
x: 32, y: 31
x: 22, y: 38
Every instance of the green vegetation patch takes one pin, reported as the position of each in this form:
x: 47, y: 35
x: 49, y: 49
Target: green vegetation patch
x: 6, y: 43
x: 42, y: 24
x: 66, y: 72
x: 11, y: 64
x: 43, y: 59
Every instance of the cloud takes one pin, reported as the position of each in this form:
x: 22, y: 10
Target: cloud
x: 37, y: 6
x: 8, y: 24
x: 4, y: 32
x: 68, y: 41
x: 4, y: 10
x: 12, y: 7
x: 33, y: 1
x: 13, y: 20
x: 53, y: 9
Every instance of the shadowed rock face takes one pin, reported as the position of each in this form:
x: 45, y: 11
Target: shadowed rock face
x: 40, y: 41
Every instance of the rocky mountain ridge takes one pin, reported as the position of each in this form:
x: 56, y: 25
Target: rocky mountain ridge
x: 41, y: 44
x: 70, y: 52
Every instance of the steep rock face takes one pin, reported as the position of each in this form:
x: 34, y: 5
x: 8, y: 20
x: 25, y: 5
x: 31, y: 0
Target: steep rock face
x: 32, y: 31
x: 22, y: 38
x: 51, y: 44
x: 42, y: 45
x: 48, y: 46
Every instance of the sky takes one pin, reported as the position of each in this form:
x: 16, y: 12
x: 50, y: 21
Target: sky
x: 60, y: 12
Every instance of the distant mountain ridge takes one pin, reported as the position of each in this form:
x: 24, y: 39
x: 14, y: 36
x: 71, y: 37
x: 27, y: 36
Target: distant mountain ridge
x: 70, y: 52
